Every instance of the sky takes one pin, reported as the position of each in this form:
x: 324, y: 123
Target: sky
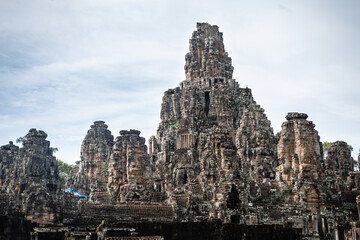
x: 65, y: 64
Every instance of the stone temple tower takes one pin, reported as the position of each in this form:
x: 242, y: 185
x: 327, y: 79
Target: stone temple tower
x: 207, y: 56
x: 195, y: 152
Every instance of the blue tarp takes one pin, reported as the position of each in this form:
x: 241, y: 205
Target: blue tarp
x: 75, y: 193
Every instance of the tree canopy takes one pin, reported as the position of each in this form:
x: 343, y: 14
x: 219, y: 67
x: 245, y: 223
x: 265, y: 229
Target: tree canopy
x: 64, y: 172
x: 20, y: 139
x: 327, y: 145
x: 53, y: 149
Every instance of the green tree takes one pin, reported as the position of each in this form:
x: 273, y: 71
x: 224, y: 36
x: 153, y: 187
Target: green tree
x: 20, y: 139
x: 53, y: 150
x: 327, y: 145
x: 64, y: 172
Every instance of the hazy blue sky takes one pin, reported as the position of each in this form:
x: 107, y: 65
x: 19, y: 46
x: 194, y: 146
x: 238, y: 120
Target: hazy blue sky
x: 66, y: 63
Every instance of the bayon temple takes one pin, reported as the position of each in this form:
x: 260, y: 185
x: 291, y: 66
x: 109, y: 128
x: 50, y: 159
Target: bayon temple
x: 214, y: 170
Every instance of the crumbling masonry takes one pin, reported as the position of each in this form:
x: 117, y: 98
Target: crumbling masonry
x: 213, y: 159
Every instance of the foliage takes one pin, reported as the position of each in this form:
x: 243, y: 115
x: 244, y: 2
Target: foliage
x: 327, y: 145
x: 53, y: 149
x: 64, y: 172
x: 175, y: 124
x: 20, y: 139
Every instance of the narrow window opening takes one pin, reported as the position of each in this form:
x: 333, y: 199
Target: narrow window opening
x: 207, y: 102
x: 233, y: 200
x: 235, y: 218
x: 185, y: 178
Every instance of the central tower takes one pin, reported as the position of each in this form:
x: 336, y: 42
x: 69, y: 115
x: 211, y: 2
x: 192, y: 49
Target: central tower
x: 208, y: 139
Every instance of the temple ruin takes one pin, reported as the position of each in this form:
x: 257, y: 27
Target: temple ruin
x: 213, y: 170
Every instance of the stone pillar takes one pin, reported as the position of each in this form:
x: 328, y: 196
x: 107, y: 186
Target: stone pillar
x: 315, y: 222
x: 336, y: 232
x: 323, y: 225
x: 34, y: 236
x: 358, y: 205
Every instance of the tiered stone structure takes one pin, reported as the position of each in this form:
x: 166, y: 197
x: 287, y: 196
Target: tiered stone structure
x: 9, y: 179
x: 29, y: 179
x: 91, y: 179
x: 112, y: 171
x: 214, y: 161
x: 207, y: 56
x: 256, y: 145
x: 300, y: 154
x: 129, y: 168
x: 339, y: 164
